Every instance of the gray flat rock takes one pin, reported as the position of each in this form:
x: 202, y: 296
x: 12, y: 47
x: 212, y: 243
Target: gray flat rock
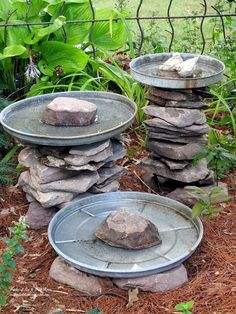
x: 208, y: 180
x: 177, y: 139
x: 188, y: 175
x: 111, y: 187
x: 58, y: 152
x: 173, y: 94
x: 128, y: 230
x: 47, y: 200
x: 69, y: 111
x: 186, y: 104
x: 29, y: 198
x: 52, y: 161
x: 45, y: 174
x: 168, y: 280
x: 77, y: 184
x: 171, y: 164
x: 108, y: 175
x: 91, y: 285
x: 89, y: 150
x: 77, y: 160
x: 173, y: 150
x: 28, y: 156
x: 177, y: 117
x: 38, y: 217
x: 156, y: 100
x: 158, y: 125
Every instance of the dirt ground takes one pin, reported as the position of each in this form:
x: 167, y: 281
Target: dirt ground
x: 211, y: 269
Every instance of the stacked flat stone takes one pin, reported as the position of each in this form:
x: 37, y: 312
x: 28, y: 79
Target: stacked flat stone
x: 176, y: 129
x: 59, y: 175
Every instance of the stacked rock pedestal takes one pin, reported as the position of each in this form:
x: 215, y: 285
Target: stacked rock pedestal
x: 58, y: 175
x: 176, y: 130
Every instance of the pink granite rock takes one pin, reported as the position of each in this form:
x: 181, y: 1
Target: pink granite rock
x: 69, y: 111
x: 64, y: 273
x: 165, y: 281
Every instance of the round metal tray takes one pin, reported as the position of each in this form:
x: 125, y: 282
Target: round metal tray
x: 71, y: 233
x: 143, y: 69
x: 22, y: 119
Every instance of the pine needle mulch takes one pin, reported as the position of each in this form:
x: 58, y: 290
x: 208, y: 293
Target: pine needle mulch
x: 211, y: 269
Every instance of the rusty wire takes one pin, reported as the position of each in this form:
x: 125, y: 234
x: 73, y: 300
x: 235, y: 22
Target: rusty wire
x: 140, y: 27
x: 201, y: 26
x: 91, y: 28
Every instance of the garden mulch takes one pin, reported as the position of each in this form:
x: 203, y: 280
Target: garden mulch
x: 211, y: 269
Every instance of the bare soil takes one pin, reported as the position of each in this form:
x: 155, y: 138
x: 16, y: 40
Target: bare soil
x: 211, y: 269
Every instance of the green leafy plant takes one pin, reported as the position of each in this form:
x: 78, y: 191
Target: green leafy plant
x: 7, y: 151
x: 205, y: 200
x: 122, y: 83
x: 185, y: 307
x: 219, y: 153
x: 42, y: 53
x: 8, y: 265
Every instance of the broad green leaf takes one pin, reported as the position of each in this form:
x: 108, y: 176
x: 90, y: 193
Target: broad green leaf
x: 53, y: 2
x: 185, y: 306
x: 79, y: 32
x: 11, y: 264
x: 101, y: 35
x: 197, y: 209
x: 56, y: 54
x: 8, y: 277
x: 19, y: 249
x: 5, y: 7
x: 15, y: 35
x: 34, y: 9
x: 12, y: 51
x: 3, y: 299
x: 36, y: 36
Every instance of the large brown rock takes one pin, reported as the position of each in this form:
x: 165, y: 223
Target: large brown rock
x: 64, y: 273
x: 69, y: 112
x: 128, y: 230
x: 168, y: 280
x: 38, y: 217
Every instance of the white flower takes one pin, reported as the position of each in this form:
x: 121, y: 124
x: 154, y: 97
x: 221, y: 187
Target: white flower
x: 32, y: 71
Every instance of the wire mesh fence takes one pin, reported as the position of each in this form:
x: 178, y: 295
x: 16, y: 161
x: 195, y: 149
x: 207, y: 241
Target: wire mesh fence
x: 138, y: 19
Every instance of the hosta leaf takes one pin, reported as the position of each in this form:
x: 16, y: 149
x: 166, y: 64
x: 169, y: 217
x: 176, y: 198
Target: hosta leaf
x: 53, y: 2
x: 76, y: 33
x: 34, y: 37
x: 56, y: 54
x: 103, y: 37
x: 15, y: 35
x: 34, y: 9
x: 197, y: 209
x: 12, y: 51
x: 5, y: 7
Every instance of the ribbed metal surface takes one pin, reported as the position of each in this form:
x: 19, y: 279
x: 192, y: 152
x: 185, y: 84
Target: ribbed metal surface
x: 71, y: 233
x: 144, y: 69
x: 23, y: 119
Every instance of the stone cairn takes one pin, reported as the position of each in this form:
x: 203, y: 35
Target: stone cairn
x: 59, y: 175
x: 176, y: 130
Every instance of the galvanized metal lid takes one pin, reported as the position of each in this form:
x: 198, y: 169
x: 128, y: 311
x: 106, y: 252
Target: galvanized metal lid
x: 71, y: 233
x: 22, y: 119
x: 144, y: 69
